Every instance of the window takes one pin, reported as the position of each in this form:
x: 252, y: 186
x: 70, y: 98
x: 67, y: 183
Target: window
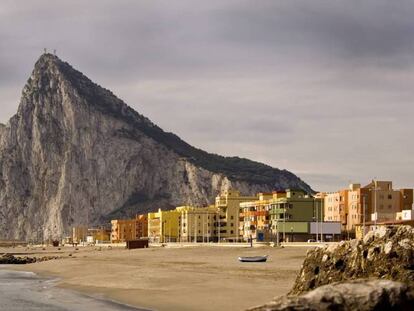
x: 390, y: 196
x: 231, y: 217
x: 231, y: 231
x: 231, y: 225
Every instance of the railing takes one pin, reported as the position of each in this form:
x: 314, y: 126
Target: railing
x: 254, y: 213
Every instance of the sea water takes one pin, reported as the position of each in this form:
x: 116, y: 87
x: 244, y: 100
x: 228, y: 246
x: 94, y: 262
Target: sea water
x: 25, y: 291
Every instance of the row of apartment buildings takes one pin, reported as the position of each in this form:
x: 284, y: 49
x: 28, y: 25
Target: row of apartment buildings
x: 234, y: 217
x: 281, y: 215
x: 374, y: 203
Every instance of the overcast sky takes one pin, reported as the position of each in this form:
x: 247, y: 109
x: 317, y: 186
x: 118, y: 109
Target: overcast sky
x: 324, y: 89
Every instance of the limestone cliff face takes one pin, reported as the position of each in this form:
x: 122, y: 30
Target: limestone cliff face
x: 75, y: 154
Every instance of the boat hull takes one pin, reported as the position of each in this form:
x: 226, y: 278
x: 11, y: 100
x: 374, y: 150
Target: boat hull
x: 253, y: 259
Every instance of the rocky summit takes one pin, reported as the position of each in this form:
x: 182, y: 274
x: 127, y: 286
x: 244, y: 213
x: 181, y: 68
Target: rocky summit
x: 76, y: 154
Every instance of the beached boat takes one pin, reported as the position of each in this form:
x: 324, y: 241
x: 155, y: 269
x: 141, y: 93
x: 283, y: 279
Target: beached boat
x: 253, y: 259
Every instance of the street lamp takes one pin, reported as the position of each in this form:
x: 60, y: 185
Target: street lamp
x: 364, y: 213
x: 375, y: 201
x: 321, y: 216
x: 317, y: 224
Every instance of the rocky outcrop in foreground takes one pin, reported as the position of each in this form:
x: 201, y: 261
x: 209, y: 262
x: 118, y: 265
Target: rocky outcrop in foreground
x: 376, y: 273
x: 362, y: 295
x: 387, y: 253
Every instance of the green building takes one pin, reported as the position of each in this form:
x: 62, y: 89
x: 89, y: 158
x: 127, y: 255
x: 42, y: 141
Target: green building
x: 291, y: 213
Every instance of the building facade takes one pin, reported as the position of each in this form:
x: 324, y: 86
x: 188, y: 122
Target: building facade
x: 291, y: 213
x: 141, y: 226
x: 198, y: 224
x: 254, y: 219
x: 163, y: 226
x: 228, y: 222
x: 79, y: 234
x: 385, y: 202
x: 98, y: 235
x: 377, y: 202
x: 284, y: 215
x: 123, y: 230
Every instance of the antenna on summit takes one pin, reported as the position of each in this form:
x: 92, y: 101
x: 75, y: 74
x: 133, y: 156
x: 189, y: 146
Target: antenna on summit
x: 45, y: 50
x: 54, y: 52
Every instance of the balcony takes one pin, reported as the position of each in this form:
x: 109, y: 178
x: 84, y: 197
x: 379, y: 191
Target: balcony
x: 254, y: 213
x: 277, y: 211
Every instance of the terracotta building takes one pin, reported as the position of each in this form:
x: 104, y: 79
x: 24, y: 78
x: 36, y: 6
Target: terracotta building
x: 141, y: 226
x: 255, y: 219
x: 129, y: 229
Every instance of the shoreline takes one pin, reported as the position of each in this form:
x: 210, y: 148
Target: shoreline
x: 26, y: 290
x: 175, y: 279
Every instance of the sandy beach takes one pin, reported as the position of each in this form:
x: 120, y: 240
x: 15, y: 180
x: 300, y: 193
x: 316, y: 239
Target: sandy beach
x: 186, y: 278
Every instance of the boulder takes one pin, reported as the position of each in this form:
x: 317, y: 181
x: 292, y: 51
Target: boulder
x: 387, y: 253
x: 362, y: 294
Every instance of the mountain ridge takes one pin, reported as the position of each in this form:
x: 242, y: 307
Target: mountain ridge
x: 140, y: 122
x: 76, y: 154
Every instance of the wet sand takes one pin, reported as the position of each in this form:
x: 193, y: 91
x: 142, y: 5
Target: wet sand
x: 26, y: 291
x: 188, y: 278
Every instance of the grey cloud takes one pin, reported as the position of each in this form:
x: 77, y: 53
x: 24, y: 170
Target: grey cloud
x: 352, y: 29
x: 322, y: 88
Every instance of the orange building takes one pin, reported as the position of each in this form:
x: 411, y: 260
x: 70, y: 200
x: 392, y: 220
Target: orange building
x: 255, y: 219
x: 129, y: 229
x: 141, y: 226
x: 377, y: 201
x: 335, y: 204
x: 123, y: 230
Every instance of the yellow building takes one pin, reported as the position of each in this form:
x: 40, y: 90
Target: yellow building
x: 79, y: 234
x: 99, y: 235
x: 163, y: 226
x: 197, y: 224
x: 228, y: 205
